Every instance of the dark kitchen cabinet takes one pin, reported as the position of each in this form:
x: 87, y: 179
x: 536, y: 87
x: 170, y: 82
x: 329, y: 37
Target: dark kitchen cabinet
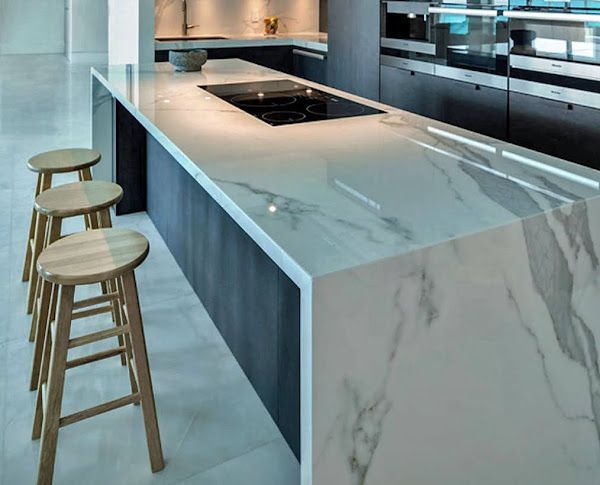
x: 353, y: 46
x: 469, y: 106
x: 474, y: 107
x: 310, y: 65
x: 411, y: 91
x: 561, y: 129
x: 274, y: 57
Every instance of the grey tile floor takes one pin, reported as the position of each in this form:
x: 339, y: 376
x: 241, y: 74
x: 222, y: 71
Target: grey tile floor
x: 214, y: 428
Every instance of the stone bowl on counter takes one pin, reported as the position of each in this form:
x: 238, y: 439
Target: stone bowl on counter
x: 189, y: 60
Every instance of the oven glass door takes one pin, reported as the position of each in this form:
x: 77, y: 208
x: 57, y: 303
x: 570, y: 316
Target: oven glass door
x: 472, y: 38
x: 572, y: 36
x: 406, y: 20
x: 555, y: 54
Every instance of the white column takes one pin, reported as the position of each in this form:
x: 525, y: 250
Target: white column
x: 130, y: 31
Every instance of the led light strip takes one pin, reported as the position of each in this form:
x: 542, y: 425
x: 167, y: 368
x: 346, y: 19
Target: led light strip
x: 473, y: 12
x: 564, y: 17
x: 594, y: 184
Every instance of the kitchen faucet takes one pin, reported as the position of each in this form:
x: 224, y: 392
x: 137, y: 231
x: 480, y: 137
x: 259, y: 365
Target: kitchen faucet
x: 185, y: 26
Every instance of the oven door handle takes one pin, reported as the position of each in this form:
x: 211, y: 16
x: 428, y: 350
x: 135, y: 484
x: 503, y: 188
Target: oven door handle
x: 558, y: 17
x: 469, y: 12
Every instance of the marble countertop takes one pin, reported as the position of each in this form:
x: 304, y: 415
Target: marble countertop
x: 311, y: 40
x: 326, y: 196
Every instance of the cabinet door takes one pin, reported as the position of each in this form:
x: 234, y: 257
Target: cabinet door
x: 310, y: 65
x: 411, y: 91
x: 561, y: 129
x: 474, y: 107
x: 274, y: 57
x: 353, y: 46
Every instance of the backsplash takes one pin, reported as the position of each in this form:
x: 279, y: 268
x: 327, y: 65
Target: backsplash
x: 235, y: 17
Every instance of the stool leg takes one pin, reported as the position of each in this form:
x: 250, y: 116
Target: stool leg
x: 45, y: 363
x: 56, y: 380
x: 85, y: 175
x: 143, y: 371
x: 52, y: 235
x: 127, y: 338
x: 38, y: 238
x: 110, y: 286
x: 41, y: 325
x: 28, y: 252
x: 34, y: 314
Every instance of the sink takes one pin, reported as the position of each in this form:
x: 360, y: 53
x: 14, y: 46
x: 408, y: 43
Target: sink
x: 190, y: 37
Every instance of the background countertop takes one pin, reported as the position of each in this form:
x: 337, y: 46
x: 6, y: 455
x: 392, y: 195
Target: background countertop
x: 315, y: 41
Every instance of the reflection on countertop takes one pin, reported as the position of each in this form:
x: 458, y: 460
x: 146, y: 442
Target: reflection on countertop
x: 349, y: 191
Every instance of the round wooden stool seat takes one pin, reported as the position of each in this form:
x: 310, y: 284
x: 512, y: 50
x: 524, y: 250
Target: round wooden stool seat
x: 61, y: 161
x: 78, y: 198
x: 92, y: 256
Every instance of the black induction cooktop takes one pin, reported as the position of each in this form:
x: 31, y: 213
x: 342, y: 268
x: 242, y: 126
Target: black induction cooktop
x: 286, y: 102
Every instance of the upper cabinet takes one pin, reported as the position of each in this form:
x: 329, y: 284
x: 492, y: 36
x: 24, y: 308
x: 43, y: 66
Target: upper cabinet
x: 353, y: 46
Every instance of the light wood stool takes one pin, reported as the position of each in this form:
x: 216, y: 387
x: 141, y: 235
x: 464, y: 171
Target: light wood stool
x: 85, y: 258
x: 92, y: 200
x: 46, y: 165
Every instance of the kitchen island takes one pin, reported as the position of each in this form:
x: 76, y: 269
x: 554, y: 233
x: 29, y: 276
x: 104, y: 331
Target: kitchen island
x: 414, y: 303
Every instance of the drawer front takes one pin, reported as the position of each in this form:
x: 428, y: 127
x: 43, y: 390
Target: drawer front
x: 560, y: 129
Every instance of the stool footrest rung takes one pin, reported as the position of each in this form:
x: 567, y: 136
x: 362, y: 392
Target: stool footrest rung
x: 91, y: 312
x: 96, y: 336
x: 88, y: 359
x: 95, y: 300
x: 100, y: 409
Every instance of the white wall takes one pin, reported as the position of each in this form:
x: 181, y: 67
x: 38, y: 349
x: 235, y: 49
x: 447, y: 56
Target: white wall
x: 32, y: 26
x: 231, y: 17
x: 87, y: 30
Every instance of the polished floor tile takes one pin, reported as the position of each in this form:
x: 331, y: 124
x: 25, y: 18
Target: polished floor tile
x: 213, y: 426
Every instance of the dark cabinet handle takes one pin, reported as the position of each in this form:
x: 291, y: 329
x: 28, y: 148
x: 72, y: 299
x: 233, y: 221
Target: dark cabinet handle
x: 312, y: 55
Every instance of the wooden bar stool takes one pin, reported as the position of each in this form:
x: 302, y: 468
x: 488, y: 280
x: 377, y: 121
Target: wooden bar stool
x: 92, y: 200
x: 85, y: 258
x: 46, y: 165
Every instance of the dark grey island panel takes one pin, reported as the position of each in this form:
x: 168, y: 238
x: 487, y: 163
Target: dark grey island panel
x: 253, y: 303
x: 255, y: 306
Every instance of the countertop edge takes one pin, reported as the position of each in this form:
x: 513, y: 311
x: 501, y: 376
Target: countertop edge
x: 287, y: 264
x: 240, y: 42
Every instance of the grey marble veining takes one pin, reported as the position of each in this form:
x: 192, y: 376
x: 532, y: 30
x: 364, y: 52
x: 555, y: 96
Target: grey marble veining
x: 479, y: 361
x: 449, y: 283
x: 350, y: 191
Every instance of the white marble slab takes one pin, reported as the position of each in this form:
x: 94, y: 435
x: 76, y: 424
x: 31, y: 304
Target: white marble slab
x: 347, y: 191
x: 313, y: 41
x: 449, y: 282
x: 466, y: 363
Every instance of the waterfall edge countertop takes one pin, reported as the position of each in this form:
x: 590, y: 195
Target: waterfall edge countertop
x: 448, y: 282
x: 340, y: 193
x: 314, y: 41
